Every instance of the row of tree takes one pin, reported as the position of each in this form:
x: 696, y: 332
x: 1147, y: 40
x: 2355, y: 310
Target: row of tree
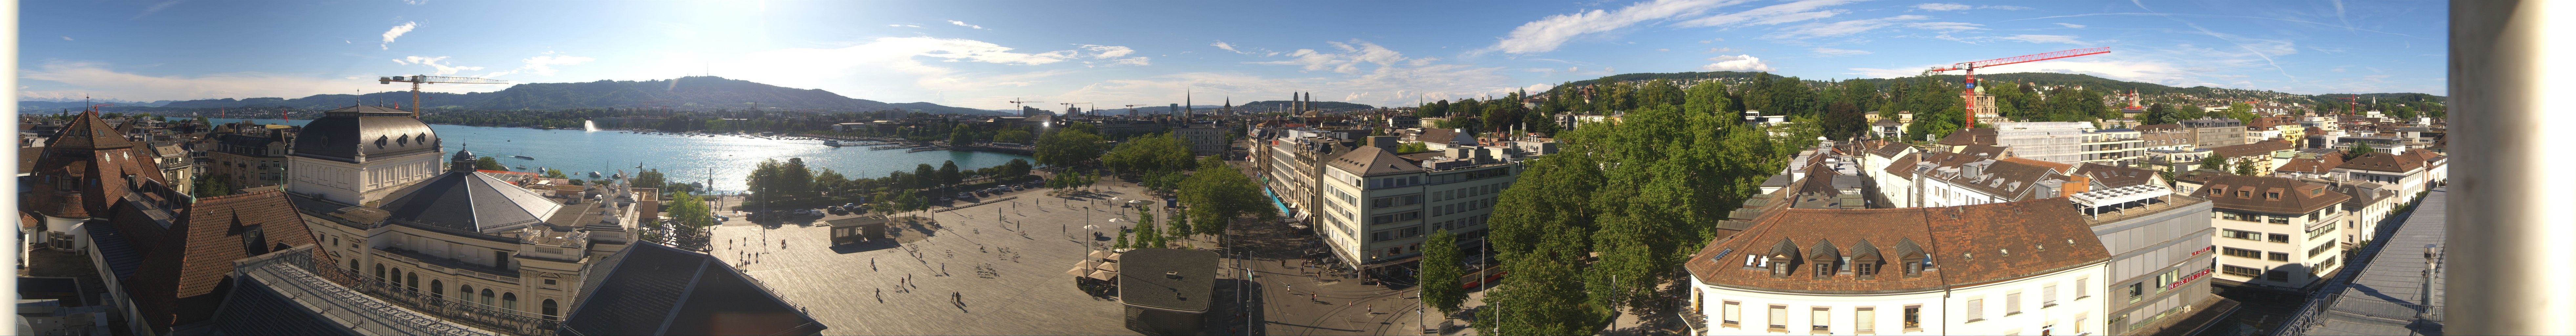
x: 1638, y: 193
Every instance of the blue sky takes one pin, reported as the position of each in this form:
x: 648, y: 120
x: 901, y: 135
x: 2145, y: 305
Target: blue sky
x: 984, y: 53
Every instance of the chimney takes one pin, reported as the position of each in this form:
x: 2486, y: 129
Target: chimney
x: 1383, y: 142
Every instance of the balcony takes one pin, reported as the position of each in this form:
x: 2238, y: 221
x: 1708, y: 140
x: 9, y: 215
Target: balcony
x: 425, y: 259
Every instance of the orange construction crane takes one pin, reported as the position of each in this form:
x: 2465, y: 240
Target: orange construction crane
x: 417, y: 80
x: 1971, y: 67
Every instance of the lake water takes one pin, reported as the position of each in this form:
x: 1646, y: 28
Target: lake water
x: 726, y: 159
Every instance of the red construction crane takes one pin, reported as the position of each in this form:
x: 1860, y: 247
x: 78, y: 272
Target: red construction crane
x: 1971, y: 67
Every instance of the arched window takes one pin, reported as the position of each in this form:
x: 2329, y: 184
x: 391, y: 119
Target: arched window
x: 380, y: 271
x: 549, y: 307
x: 412, y: 281
x: 510, y: 301
x: 437, y: 290
x: 467, y: 291
x: 353, y: 266
x: 487, y: 296
x: 395, y: 276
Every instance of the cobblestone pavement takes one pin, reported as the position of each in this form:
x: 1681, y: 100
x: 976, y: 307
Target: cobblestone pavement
x: 999, y: 257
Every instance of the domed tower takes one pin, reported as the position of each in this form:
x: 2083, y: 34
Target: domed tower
x: 355, y: 155
x: 463, y: 161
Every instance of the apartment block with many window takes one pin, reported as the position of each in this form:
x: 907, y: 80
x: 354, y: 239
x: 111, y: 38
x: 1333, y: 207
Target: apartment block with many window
x: 2275, y: 231
x: 1377, y: 205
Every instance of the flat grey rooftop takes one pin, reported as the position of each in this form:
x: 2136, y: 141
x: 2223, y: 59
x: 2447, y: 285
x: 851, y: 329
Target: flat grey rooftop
x: 2387, y: 295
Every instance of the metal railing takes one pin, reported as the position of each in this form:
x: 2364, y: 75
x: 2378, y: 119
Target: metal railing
x: 2310, y: 312
x: 294, y: 267
x: 454, y: 310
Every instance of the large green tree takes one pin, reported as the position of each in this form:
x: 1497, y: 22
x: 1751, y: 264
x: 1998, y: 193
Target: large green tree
x: 1071, y: 146
x: 488, y: 163
x: 1440, y: 272
x: 1218, y: 193
x: 948, y: 173
x: 1158, y: 152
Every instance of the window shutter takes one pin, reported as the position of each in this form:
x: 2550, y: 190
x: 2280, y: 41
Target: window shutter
x: 1734, y: 312
x: 1865, y: 320
x: 2048, y: 296
x: 1779, y: 316
x: 1820, y: 317
x: 2080, y: 292
x: 2012, y: 303
x: 1976, y: 309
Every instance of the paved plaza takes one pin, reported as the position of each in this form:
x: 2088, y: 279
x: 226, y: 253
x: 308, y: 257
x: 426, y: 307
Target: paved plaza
x: 1004, y: 266
x: 1005, y: 260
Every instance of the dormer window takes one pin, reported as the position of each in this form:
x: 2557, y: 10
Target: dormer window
x: 2272, y: 195
x: 1865, y: 270
x: 1779, y: 269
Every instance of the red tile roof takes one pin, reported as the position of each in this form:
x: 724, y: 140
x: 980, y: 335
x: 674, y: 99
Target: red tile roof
x: 178, y: 280
x: 2257, y: 193
x: 2252, y: 149
x: 1967, y: 246
x: 2061, y: 168
x: 2320, y: 164
x: 2385, y: 162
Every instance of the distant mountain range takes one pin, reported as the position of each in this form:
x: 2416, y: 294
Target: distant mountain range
x: 685, y: 93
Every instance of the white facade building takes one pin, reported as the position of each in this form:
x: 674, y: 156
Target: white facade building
x: 2275, y: 231
x: 1905, y: 271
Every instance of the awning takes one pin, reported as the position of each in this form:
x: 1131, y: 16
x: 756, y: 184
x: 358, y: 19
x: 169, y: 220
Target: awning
x: 1078, y: 271
x: 1113, y: 257
x: 1087, y: 264
x: 1112, y: 267
x: 1104, y: 275
x: 1283, y: 206
x: 1099, y: 255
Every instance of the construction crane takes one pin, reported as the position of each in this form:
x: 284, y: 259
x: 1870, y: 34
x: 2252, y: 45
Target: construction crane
x: 417, y: 80
x: 1015, y: 104
x: 1971, y: 67
x: 1131, y: 108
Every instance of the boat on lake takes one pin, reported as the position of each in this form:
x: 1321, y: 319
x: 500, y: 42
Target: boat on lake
x: 523, y: 157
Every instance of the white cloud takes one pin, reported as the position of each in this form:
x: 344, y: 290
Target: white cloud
x: 438, y: 63
x: 1138, y: 61
x: 1814, y: 30
x: 1227, y: 47
x: 963, y: 24
x: 544, y: 65
x: 2067, y: 39
x: 397, y: 31
x: 1102, y: 51
x: 1736, y: 63
x: 1554, y: 31
x: 903, y: 25
x: 1943, y: 7
x: 1945, y: 26
x: 1347, y: 61
x: 2070, y: 25
x: 1840, y: 52
x: 2004, y: 7
x: 67, y: 38
x: 1795, y: 11
x: 1663, y: 49
x: 95, y: 79
x: 155, y: 8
